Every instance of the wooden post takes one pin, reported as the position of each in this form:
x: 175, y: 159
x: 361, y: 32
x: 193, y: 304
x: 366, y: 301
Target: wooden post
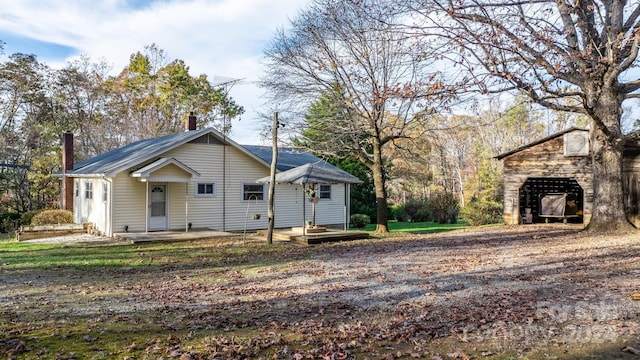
x: 272, y: 179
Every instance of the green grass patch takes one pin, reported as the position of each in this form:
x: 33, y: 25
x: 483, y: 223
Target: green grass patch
x: 17, y: 255
x: 428, y: 227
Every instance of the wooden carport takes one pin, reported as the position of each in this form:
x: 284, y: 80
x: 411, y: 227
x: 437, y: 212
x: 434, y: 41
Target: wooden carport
x: 561, y: 164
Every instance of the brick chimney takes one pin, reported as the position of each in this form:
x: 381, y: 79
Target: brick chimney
x: 66, y: 191
x: 190, y: 125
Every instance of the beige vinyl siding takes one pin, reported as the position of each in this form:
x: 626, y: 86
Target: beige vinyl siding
x: 170, y: 171
x: 93, y: 210
x: 129, y: 201
x: 129, y: 194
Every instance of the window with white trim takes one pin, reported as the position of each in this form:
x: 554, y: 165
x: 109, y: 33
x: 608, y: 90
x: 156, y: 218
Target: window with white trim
x: 88, y: 190
x: 105, y: 191
x: 205, y: 189
x: 325, y: 191
x: 253, y: 191
x: 77, y: 188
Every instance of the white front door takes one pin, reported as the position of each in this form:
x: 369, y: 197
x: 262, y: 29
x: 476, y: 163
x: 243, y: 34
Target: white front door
x: 158, y: 207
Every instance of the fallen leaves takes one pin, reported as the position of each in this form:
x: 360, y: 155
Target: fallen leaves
x: 458, y: 296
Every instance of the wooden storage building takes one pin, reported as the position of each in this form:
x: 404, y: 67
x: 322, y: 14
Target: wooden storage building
x: 552, y: 180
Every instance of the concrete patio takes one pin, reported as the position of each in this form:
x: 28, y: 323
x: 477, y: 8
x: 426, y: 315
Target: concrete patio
x: 195, y: 234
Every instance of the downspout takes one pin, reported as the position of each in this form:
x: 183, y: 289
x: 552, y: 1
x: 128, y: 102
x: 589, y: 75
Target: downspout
x: 304, y: 209
x: 346, y: 207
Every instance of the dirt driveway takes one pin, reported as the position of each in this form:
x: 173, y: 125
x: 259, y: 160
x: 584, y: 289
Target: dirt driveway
x: 534, y: 292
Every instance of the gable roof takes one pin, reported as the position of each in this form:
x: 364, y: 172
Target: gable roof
x: 115, y: 161
x: 537, y: 142
x: 146, y: 171
x: 313, y: 173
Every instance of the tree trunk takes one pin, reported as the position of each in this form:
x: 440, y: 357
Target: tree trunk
x: 379, y: 187
x: 608, y: 199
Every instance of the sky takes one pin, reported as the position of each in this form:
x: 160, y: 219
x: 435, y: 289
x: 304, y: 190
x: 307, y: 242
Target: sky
x: 223, y: 39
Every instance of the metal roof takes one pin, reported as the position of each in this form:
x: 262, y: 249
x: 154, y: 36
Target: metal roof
x: 313, y: 173
x: 288, y: 157
x: 113, y: 162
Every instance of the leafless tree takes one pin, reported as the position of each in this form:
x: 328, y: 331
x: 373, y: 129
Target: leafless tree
x: 566, y: 55
x: 377, y: 81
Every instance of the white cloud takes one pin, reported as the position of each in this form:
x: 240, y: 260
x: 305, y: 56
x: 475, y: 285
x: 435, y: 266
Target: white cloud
x: 214, y: 37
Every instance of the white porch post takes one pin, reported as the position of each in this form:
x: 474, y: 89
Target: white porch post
x: 146, y: 209
x: 304, y: 209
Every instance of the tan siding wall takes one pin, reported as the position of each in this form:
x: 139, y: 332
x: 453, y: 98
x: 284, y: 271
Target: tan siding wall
x: 170, y: 170
x: 207, y: 211
x: 177, y: 209
x: 129, y: 201
x: 93, y: 210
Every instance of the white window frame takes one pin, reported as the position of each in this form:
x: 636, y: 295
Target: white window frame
x: 324, y: 193
x: 105, y: 191
x: 88, y: 190
x: 249, y: 198
x: 213, y: 193
x: 76, y: 186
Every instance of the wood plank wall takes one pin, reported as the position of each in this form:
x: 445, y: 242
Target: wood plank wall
x: 544, y: 160
x: 547, y: 160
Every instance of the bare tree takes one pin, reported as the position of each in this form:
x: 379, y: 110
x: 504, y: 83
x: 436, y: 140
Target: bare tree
x: 566, y: 55
x: 377, y: 80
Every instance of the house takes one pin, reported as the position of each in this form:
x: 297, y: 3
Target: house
x: 194, y: 179
x: 552, y: 179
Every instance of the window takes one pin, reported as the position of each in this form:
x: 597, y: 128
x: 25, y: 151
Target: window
x: 325, y: 191
x: 205, y: 189
x: 105, y: 189
x: 77, y: 188
x: 253, y: 192
x: 88, y: 190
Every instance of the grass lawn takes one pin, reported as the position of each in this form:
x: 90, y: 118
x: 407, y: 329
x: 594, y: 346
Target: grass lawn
x: 419, y: 227
x: 526, y: 292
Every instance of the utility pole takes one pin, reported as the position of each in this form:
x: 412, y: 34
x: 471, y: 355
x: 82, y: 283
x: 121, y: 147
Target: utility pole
x: 272, y: 179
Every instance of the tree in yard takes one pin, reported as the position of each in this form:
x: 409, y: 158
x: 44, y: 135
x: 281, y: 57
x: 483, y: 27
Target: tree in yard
x: 574, y: 56
x: 152, y: 97
x: 314, y: 136
x: 26, y: 124
x: 376, y: 77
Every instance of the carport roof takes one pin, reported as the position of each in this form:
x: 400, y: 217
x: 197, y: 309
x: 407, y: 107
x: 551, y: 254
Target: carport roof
x: 540, y: 141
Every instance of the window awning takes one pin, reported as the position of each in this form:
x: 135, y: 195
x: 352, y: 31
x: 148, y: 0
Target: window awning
x: 165, y: 170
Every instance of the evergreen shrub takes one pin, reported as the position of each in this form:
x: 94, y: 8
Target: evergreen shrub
x: 482, y: 212
x: 52, y: 217
x: 360, y: 220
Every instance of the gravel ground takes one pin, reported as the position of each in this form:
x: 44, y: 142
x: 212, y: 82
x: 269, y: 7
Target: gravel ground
x: 524, y: 289
x: 72, y: 239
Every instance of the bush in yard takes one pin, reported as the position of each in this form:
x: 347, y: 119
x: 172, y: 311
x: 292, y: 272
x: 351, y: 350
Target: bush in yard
x: 26, y: 217
x: 52, y: 217
x: 413, y: 211
x: 482, y: 212
x: 360, y: 220
x: 9, y: 221
x: 444, y: 207
x: 399, y: 213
